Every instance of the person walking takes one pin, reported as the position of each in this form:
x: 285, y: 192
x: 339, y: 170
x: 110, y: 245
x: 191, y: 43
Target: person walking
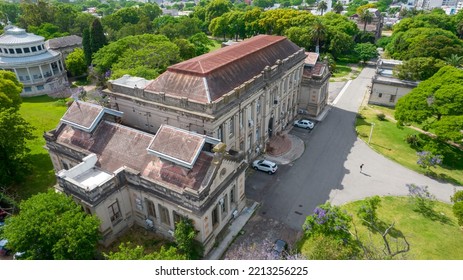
x: 361, y: 167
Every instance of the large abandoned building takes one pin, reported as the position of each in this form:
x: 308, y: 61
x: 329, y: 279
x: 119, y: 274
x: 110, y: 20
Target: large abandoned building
x: 126, y: 176
x: 242, y: 94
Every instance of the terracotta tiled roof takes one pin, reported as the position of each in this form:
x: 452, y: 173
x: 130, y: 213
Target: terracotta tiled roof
x: 82, y: 113
x: 177, y: 145
x: 317, y: 70
x: 86, y: 115
x: 116, y: 146
x: 207, y: 77
x: 311, y: 58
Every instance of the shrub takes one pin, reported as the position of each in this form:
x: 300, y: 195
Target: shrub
x: 381, y: 116
x: 413, y: 140
x: 427, y: 159
x: 458, y: 212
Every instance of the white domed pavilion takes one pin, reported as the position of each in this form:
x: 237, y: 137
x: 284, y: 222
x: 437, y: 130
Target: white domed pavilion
x: 40, y: 70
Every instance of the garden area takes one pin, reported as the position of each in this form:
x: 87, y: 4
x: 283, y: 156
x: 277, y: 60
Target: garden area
x: 402, y: 144
x: 431, y: 235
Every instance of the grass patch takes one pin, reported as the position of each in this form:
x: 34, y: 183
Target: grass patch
x: 43, y: 113
x: 389, y: 140
x: 342, y: 69
x: 429, y: 239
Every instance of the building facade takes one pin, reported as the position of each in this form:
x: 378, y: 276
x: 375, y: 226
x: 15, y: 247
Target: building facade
x: 126, y: 176
x: 241, y: 94
x: 314, y: 88
x: 40, y: 70
x: 385, y: 88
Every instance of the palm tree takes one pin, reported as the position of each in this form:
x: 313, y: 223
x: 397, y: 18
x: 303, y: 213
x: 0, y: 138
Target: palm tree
x: 366, y: 17
x: 318, y: 33
x: 337, y: 7
x: 322, y: 6
x: 454, y: 60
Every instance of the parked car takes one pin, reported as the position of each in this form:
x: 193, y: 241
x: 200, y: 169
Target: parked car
x: 265, y: 165
x: 279, y: 248
x: 304, y: 124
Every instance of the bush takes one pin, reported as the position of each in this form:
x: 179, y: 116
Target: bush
x: 381, y: 116
x: 413, y: 140
x: 458, y: 212
x: 360, y: 116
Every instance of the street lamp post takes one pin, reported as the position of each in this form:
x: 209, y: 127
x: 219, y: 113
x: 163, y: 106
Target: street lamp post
x: 371, y: 132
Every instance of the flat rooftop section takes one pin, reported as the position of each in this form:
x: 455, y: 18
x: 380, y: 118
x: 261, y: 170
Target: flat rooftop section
x: 177, y: 145
x: 311, y: 58
x: 92, y: 178
x: 386, y: 79
x: 133, y: 82
x: 82, y: 114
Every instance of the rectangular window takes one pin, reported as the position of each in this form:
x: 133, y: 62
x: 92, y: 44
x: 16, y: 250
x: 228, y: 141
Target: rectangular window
x: 39, y: 47
x: 115, y: 212
x: 231, y: 125
x: 18, y: 50
x: 232, y: 195
x: 177, y: 217
x: 27, y: 50
x: 164, y: 213
x: 258, y: 106
x: 215, y: 217
x: 392, y: 99
x: 34, y: 49
x: 150, y: 207
x: 40, y: 87
x: 5, y: 50
x: 1, y: 50
x: 224, y: 206
x: 11, y: 51
x: 27, y: 89
x: 380, y: 95
x: 220, y: 133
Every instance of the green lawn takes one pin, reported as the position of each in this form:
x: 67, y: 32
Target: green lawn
x: 44, y: 114
x: 439, y: 239
x: 389, y: 140
x: 342, y: 69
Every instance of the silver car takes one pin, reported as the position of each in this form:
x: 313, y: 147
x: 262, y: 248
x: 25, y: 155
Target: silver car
x: 304, y: 124
x: 265, y: 165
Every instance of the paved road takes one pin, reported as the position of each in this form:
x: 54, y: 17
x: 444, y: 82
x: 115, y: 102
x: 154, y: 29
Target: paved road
x: 329, y: 168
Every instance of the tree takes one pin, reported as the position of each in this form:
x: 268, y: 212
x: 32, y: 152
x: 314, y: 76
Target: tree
x: 330, y: 221
x: 367, y: 211
x: 216, y: 8
x: 366, y: 17
x: 337, y: 7
x: 366, y: 51
x: 97, y: 37
x: 436, y: 102
x: 34, y: 14
x: 75, y: 62
x: 318, y: 33
x: 340, y: 43
x: 48, y: 31
x: 201, y: 43
x: 86, y: 46
x: 424, y: 42
x: 14, y: 134
x: 418, y: 68
x: 128, y: 251
x: 185, y: 234
x: 427, y: 159
x: 52, y: 226
x: 457, y: 207
x: 10, y: 90
x: 322, y: 6
x: 186, y: 49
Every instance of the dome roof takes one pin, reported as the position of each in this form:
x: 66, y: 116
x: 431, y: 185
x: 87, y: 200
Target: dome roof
x: 17, y: 36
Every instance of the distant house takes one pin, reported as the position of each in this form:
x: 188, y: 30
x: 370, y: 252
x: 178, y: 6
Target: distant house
x: 385, y: 88
x: 314, y: 86
x: 65, y: 45
x: 129, y: 177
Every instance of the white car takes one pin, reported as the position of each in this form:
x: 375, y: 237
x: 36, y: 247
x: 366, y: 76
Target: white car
x: 265, y: 165
x: 304, y: 124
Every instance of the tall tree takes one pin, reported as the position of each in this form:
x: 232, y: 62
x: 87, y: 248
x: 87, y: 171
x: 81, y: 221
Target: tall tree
x: 366, y: 51
x: 185, y: 234
x: 418, y: 68
x: 436, y: 103
x: 322, y: 7
x: 366, y: 17
x: 318, y: 33
x: 36, y: 13
x: 10, y: 90
x: 51, y: 226
x: 86, y: 46
x: 216, y: 8
x: 97, y: 37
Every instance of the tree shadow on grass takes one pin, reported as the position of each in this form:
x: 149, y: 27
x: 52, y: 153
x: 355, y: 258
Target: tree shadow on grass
x: 433, y: 215
x: 381, y: 226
